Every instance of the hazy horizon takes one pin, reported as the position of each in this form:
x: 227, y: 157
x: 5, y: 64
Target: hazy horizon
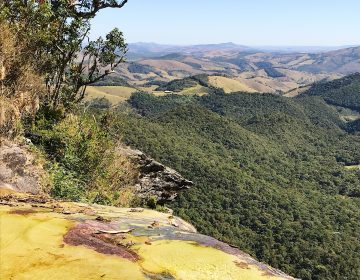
x: 258, y: 23
x: 239, y: 44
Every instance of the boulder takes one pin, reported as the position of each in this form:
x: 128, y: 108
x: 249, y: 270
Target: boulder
x: 155, y: 179
x: 20, y: 169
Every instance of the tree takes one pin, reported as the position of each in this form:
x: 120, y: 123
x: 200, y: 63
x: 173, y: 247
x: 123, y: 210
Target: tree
x: 57, y: 36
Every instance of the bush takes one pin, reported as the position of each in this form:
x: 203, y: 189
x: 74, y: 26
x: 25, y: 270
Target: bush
x: 86, y: 164
x: 152, y: 202
x: 66, y: 185
x: 100, y: 103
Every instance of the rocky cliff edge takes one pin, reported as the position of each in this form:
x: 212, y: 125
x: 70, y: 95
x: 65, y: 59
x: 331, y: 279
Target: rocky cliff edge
x: 40, y: 237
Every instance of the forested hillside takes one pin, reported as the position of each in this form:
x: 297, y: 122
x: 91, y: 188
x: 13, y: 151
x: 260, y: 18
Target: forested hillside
x: 270, y: 174
x: 342, y: 92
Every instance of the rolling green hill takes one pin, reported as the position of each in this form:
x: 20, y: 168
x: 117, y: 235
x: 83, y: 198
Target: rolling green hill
x: 344, y: 92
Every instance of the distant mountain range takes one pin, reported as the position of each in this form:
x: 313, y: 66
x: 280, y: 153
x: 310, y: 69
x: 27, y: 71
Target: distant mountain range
x: 154, y: 49
x: 230, y: 67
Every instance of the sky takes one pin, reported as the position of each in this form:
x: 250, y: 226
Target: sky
x: 246, y: 22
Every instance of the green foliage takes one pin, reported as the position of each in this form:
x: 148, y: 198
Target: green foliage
x: 270, y: 70
x: 181, y: 84
x: 269, y: 175
x: 354, y: 126
x: 66, y: 184
x: 85, y: 164
x: 140, y: 68
x: 148, y: 103
x: 202, y: 79
x: 100, y: 103
x: 344, y: 92
x: 155, y: 83
x: 111, y: 80
x: 152, y: 202
x: 56, y: 34
x: 178, y: 85
x: 273, y: 73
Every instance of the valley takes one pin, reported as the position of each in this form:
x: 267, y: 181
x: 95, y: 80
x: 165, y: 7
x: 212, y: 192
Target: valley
x: 229, y: 67
x: 195, y: 160
x: 272, y: 175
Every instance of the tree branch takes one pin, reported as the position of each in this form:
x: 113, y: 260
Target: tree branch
x: 80, y: 9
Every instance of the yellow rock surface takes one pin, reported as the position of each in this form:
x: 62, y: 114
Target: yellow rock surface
x: 31, y: 247
x: 189, y: 261
x: 45, y: 239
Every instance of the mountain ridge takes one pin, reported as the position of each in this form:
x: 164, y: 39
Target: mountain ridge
x: 246, y: 70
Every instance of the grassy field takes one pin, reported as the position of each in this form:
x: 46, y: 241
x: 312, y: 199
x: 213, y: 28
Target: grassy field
x: 229, y: 85
x: 115, y: 94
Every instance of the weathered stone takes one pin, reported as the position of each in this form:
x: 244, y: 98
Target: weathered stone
x: 18, y: 168
x: 80, y: 246
x: 155, y: 179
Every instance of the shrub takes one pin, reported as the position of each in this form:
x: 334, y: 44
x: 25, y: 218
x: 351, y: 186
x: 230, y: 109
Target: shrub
x: 65, y: 184
x: 86, y: 164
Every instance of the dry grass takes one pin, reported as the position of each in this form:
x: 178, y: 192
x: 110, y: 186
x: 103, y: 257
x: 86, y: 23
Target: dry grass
x: 169, y: 65
x: 229, y: 85
x: 20, y: 88
x: 115, y: 94
x: 297, y: 91
x: 196, y: 90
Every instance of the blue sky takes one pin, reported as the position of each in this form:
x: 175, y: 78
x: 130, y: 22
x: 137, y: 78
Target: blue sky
x: 247, y: 22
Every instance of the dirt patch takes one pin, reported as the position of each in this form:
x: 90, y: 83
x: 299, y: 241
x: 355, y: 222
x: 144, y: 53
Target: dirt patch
x: 159, y: 276
x: 23, y: 212
x: 86, y: 234
x: 242, y: 265
x: 268, y: 273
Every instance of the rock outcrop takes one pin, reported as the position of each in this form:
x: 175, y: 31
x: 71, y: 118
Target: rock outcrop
x: 155, y: 179
x: 41, y: 237
x: 20, y: 169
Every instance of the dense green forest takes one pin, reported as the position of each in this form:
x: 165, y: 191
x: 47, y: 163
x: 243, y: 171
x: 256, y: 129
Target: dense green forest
x: 269, y: 174
x: 177, y: 85
x: 181, y: 84
x: 112, y: 81
x: 341, y: 92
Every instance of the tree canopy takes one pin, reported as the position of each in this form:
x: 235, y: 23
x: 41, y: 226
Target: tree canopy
x: 270, y: 174
x: 56, y: 35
